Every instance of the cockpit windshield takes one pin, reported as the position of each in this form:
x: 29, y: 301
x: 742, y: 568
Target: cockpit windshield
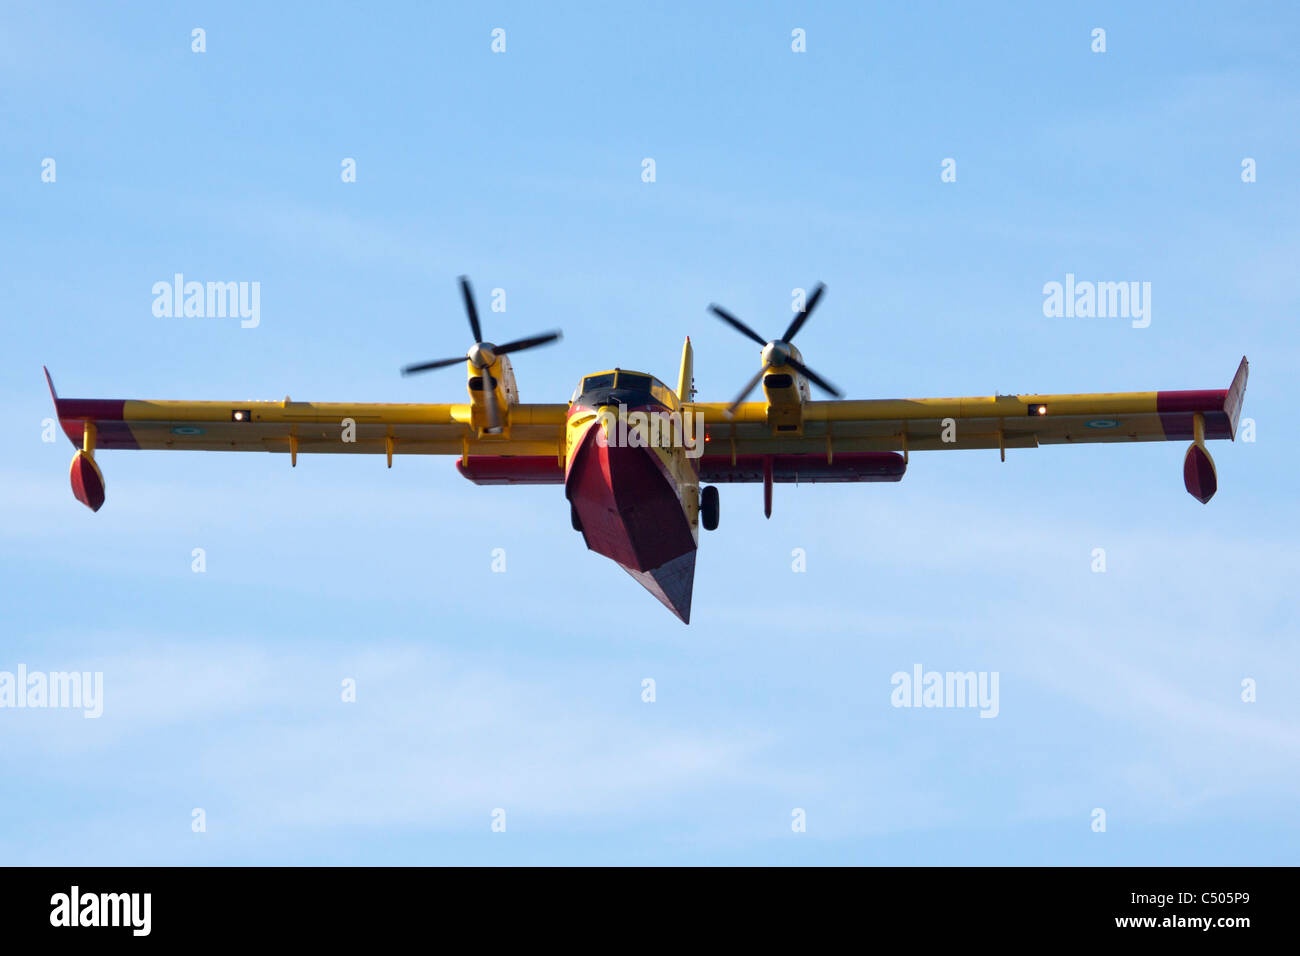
x: 627, y: 387
x: 633, y: 382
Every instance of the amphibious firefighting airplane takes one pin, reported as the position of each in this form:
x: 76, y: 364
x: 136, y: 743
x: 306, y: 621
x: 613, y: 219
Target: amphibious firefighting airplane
x: 640, y: 501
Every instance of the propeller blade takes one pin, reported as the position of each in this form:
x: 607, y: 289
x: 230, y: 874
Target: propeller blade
x: 813, y: 377
x: 429, y: 366
x: 490, y: 394
x: 468, y: 293
x: 736, y: 324
x: 731, y: 409
x: 797, y: 323
x: 518, y: 345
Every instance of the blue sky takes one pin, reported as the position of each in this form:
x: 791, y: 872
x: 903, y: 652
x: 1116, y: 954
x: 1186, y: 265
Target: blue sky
x: 522, y: 690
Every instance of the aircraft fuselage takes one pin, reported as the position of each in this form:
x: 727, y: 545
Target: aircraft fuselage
x: 633, y: 483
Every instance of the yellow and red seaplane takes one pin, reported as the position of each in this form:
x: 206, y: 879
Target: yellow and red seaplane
x: 640, y: 461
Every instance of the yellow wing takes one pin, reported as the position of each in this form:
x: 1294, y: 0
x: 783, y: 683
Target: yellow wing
x: 996, y: 421
x: 532, y: 431
x: 870, y: 440
x: 309, y: 427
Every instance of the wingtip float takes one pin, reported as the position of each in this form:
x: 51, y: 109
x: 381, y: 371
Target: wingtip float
x: 640, y: 462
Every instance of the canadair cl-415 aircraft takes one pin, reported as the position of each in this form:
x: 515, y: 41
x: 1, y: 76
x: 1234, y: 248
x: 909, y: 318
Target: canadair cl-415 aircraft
x: 640, y: 461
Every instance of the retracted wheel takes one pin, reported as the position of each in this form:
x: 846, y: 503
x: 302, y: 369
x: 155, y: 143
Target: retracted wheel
x: 709, y: 508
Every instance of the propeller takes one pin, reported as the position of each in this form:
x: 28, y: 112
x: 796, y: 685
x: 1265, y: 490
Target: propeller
x: 778, y: 351
x: 483, y: 355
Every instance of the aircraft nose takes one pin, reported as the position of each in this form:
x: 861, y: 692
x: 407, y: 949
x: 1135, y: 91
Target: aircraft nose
x: 630, y: 512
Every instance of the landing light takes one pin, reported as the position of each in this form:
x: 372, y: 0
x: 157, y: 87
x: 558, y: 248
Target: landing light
x: 1037, y: 409
x: 241, y: 415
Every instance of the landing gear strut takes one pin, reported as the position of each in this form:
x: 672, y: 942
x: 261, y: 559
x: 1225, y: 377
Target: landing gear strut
x: 709, y: 508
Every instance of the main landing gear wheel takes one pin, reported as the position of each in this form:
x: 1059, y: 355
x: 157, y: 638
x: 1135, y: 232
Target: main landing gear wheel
x: 709, y: 508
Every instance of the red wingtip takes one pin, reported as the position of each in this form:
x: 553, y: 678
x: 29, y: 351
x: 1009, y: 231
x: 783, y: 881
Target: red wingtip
x: 1236, y: 395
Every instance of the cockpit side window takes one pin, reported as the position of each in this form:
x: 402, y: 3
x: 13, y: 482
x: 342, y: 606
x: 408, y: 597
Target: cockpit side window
x: 592, y: 382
